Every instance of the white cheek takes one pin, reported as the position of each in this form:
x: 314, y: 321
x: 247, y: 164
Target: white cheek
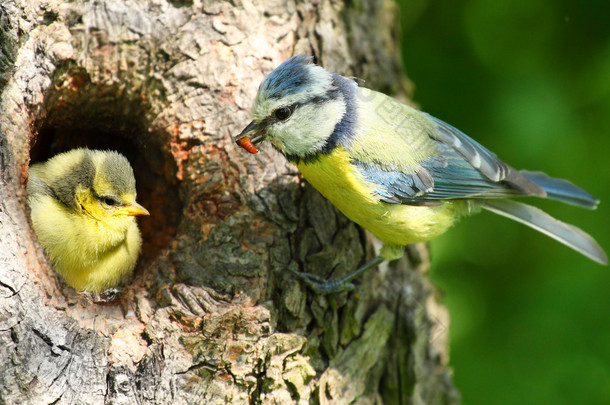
x: 309, y: 128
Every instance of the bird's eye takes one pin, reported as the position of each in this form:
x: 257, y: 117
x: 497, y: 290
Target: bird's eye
x: 283, y: 113
x: 109, y: 201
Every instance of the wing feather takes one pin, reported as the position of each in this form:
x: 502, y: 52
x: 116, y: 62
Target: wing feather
x: 482, y: 158
x: 461, y: 168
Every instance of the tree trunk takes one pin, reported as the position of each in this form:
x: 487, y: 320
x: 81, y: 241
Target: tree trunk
x: 211, y: 315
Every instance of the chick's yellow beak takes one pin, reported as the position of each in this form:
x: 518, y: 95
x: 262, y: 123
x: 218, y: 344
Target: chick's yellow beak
x: 132, y: 209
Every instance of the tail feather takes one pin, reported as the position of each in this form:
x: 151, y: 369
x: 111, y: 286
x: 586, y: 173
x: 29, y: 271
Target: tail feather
x: 539, y: 220
x: 562, y: 190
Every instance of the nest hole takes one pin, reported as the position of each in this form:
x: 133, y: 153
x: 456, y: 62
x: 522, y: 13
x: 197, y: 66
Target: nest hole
x: 106, y: 119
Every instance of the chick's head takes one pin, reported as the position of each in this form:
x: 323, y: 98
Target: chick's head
x: 108, y: 192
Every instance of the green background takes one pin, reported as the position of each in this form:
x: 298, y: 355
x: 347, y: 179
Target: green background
x: 530, y: 318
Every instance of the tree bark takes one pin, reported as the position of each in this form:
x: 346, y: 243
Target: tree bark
x: 211, y: 315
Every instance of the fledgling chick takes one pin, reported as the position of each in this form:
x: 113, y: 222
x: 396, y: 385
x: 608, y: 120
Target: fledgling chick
x: 396, y: 171
x: 83, y: 207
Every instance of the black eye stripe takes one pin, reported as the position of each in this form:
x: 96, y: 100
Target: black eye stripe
x: 272, y: 118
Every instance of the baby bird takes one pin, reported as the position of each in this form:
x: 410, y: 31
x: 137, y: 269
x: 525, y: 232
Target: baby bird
x: 83, y: 207
x: 396, y: 171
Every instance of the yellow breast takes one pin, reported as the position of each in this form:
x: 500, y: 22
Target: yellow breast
x: 340, y: 182
x: 89, y: 255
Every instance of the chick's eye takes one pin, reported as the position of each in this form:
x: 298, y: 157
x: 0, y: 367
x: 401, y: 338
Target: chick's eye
x: 109, y: 201
x: 283, y: 113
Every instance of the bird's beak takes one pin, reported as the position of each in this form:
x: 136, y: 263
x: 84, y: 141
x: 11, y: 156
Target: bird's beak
x: 132, y: 209
x: 250, y: 136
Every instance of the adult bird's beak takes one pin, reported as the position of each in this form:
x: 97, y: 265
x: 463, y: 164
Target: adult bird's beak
x: 246, y: 141
x: 132, y: 209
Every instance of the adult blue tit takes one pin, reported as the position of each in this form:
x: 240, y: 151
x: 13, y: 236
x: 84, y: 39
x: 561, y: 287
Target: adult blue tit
x: 83, y: 207
x: 404, y: 175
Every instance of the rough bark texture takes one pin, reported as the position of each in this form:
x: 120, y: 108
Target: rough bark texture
x: 212, y: 315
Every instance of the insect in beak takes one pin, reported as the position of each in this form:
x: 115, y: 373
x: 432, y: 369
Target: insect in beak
x: 247, y: 142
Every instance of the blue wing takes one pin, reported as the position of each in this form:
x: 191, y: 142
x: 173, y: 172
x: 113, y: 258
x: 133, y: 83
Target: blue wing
x: 464, y: 169
x: 445, y: 176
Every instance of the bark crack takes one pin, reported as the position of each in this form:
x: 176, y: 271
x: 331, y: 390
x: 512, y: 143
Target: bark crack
x: 10, y: 288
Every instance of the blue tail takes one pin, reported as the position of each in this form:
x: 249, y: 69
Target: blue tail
x: 539, y: 220
x: 562, y: 190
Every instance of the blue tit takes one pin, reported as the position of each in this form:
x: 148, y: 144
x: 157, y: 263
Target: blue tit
x: 83, y: 207
x: 404, y: 175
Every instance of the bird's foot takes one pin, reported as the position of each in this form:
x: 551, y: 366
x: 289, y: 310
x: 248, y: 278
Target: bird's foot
x: 333, y: 286
x: 106, y: 296
x: 324, y: 286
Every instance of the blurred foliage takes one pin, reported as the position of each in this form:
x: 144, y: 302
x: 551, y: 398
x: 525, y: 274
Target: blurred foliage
x: 530, y: 318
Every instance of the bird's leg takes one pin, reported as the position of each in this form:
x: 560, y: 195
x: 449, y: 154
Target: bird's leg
x: 331, y: 286
x: 321, y: 286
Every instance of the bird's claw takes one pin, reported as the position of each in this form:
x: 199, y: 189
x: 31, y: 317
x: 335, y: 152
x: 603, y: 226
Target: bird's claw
x: 324, y: 286
x: 106, y: 296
